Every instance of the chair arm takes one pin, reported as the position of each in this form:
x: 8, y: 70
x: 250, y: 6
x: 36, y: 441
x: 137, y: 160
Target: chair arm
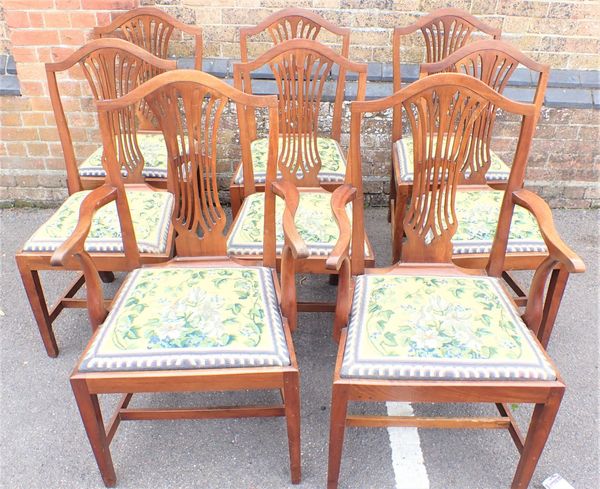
x: 543, y: 214
x: 74, y: 244
x: 339, y: 199
x: 289, y: 193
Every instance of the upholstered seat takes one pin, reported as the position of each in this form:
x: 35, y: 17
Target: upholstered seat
x: 152, y: 147
x: 477, y: 213
x: 333, y: 163
x: 185, y: 318
x: 314, y: 221
x: 150, y: 213
x: 497, y: 173
x: 438, y: 327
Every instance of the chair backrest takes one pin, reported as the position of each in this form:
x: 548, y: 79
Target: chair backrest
x: 442, y: 110
x: 294, y: 23
x: 188, y: 106
x: 302, y: 69
x: 151, y: 29
x: 444, y: 31
x: 493, y: 62
x: 112, y: 68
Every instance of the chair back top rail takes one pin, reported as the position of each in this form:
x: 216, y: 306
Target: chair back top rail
x: 442, y: 110
x: 112, y: 67
x: 293, y: 23
x: 151, y: 29
x: 301, y: 68
x: 188, y: 106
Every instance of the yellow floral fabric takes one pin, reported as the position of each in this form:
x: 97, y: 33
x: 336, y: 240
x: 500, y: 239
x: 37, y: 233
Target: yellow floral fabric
x: 439, y: 327
x: 333, y: 163
x: 191, y: 317
x: 497, y: 172
x: 153, y: 149
x: 477, y: 212
x: 314, y: 221
x: 150, y: 212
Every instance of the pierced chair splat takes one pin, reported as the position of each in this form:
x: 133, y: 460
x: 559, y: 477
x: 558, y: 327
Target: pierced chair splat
x: 425, y: 330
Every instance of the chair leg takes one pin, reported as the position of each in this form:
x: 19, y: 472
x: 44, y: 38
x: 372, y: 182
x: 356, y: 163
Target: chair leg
x: 35, y: 294
x: 339, y: 407
x: 89, y: 408
x: 235, y: 198
x: 554, y: 294
x: 107, y: 277
x: 291, y: 388
x: 537, y: 434
x: 398, y: 225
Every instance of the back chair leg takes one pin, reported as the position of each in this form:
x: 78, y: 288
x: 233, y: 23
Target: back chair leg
x: 398, y: 225
x: 107, y: 277
x: 89, y: 408
x: 35, y: 294
x: 339, y: 407
x: 537, y: 434
x: 291, y: 388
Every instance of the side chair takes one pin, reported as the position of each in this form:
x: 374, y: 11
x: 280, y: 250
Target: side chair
x: 425, y: 330
x: 281, y: 26
x: 201, y: 322
x: 302, y: 70
x: 442, y: 32
x: 112, y: 68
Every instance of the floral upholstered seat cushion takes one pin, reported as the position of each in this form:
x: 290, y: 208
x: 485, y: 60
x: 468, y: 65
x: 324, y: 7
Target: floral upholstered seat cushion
x: 497, y: 172
x: 477, y: 212
x: 314, y: 221
x: 333, y: 163
x: 429, y: 327
x: 187, y: 318
x: 153, y: 149
x: 150, y: 212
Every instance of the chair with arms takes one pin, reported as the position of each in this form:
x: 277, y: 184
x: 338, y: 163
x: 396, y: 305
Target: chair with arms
x: 112, y: 68
x: 284, y: 25
x: 201, y: 322
x: 425, y: 330
x: 443, y: 31
x: 302, y: 70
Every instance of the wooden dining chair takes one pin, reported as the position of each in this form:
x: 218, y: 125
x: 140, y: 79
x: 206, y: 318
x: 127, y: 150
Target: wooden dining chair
x: 112, y: 68
x: 201, y: 322
x: 302, y: 71
x: 442, y: 32
x: 284, y: 25
x: 425, y: 330
x: 495, y: 63
x: 153, y: 29
x: 127, y: 65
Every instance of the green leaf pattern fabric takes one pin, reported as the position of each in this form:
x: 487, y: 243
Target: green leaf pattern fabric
x: 438, y: 327
x: 150, y: 213
x: 153, y: 149
x: 333, y: 163
x: 192, y: 317
x: 497, y: 172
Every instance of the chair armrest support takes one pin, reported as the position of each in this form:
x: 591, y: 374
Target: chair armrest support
x: 74, y: 244
x: 543, y: 215
x: 289, y: 193
x: 339, y: 199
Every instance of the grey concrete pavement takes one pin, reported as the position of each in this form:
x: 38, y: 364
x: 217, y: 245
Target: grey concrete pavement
x: 43, y: 444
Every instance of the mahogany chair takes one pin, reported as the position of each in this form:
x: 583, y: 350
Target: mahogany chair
x: 301, y: 69
x: 127, y: 65
x: 424, y: 329
x: 442, y: 32
x: 112, y: 68
x: 281, y: 26
x: 152, y: 29
x: 201, y: 322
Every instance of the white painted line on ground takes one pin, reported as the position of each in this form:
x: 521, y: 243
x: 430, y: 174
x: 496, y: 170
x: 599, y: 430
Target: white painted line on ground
x: 407, y: 457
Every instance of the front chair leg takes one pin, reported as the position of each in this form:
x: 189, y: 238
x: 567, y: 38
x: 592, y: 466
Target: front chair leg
x: 35, y: 294
x: 291, y: 389
x: 537, y: 434
x: 339, y: 407
x: 554, y: 294
x: 89, y: 408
